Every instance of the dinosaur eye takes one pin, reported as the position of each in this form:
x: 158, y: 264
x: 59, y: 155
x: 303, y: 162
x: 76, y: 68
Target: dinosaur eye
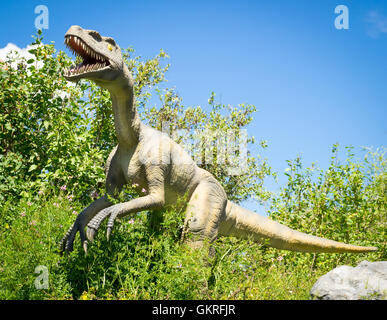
x: 109, y: 46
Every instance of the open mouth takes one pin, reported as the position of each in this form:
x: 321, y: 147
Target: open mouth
x: 92, y: 61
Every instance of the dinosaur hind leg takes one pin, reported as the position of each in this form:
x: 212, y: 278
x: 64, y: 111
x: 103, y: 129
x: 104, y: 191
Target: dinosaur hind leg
x: 204, y: 211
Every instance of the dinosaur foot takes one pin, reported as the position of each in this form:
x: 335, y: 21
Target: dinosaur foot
x: 67, y: 242
x: 91, y: 232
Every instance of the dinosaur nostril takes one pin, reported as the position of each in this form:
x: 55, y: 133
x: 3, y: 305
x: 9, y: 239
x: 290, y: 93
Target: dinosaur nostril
x: 95, y: 35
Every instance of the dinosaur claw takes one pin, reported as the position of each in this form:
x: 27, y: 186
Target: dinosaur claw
x: 69, y: 247
x: 90, y: 233
x: 85, y: 247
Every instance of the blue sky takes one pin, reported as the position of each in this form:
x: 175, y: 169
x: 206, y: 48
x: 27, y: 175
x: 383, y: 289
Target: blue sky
x: 314, y: 85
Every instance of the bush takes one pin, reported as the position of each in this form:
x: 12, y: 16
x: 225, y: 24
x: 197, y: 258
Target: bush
x: 346, y: 202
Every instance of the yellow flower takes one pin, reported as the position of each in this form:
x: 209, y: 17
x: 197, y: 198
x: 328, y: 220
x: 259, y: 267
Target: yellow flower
x: 84, y: 296
x: 6, y: 226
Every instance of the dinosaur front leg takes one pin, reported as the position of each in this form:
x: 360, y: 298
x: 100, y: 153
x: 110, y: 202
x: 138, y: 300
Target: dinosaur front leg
x: 150, y: 202
x: 155, y: 175
x: 80, y: 223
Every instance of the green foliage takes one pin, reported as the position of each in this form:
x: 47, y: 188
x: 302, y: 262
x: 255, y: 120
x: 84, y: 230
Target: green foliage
x: 44, y: 125
x: 29, y: 240
x: 347, y: 203
x: 137, y: 262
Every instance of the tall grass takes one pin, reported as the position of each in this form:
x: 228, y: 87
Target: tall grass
x: 139, y: 261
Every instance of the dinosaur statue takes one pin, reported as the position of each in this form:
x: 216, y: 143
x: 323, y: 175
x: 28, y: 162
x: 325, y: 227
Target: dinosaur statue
x: 150, y: 159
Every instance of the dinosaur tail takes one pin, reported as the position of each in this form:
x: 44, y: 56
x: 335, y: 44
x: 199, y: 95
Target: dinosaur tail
x: 242, y: 223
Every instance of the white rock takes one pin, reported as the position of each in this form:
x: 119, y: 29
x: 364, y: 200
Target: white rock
x: 368, y: 280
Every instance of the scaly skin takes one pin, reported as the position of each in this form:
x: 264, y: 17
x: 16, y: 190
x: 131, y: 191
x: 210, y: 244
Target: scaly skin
x: 156, y: 163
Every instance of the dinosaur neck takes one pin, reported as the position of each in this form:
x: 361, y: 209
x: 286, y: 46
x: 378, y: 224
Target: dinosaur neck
x: 126, y: 119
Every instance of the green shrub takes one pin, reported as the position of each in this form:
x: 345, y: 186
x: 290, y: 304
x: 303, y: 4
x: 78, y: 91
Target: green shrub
x: 347, y: 203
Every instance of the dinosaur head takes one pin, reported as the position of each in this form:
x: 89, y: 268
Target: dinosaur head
x: 101, y: 57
